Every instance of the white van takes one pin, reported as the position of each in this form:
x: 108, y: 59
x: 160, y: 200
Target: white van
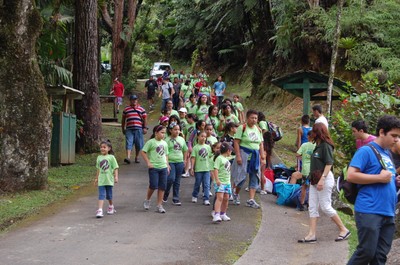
x: 159, y: 68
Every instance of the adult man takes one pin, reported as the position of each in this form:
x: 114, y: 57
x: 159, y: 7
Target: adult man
x: 151, y: 86
x: 219, y: 90
x: 177, y: 91
x: 166, y: 73
x: 118, y: 91
x: 166, y: 92
x: 249, y: 150
x: 360, y: 132
x: 317, y: 112
x: 134, y: 121
x: 376, y: 199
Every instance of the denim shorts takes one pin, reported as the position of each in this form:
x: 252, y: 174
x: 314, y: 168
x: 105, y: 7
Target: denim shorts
x: 119, y: 101
x: 158, y: 178
x: 134, y: 136
x: 253, y: 181
x: 224, y: 188
x: 105, y: 192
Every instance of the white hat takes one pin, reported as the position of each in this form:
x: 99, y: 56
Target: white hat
x: 183, y: 110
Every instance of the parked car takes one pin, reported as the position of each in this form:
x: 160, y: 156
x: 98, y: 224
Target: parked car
x: 105, y: 67
x: 159, y: 68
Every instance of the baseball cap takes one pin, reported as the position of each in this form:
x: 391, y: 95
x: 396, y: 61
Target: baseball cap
x: 183, y: 110
x: 164, y: 119
x: 132, y: 97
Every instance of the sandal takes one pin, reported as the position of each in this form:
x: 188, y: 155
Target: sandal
x: 309, y: 241
x: 341, y: 238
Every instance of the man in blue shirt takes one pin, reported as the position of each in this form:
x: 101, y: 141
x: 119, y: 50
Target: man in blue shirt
x: 376, y: 200
x: 219, y: 90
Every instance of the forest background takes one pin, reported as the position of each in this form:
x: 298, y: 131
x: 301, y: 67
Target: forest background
x: 250, y: 42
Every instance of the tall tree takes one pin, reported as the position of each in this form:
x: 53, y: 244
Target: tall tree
x: 121, y: 32
x: 334, y: 57
x: 86, y: 73
x: 24, y: 106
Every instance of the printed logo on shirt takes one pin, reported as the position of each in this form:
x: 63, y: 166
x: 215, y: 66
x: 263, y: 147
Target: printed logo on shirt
x: 227, y: 166
x: 204, y: 110
x: 203, y: 152
x: 190, y: 129
x: 253, y: 136
x: 160, y: 150
x: 177, y: 146
x: 317, y: 155
x: 104, y: 165
x: 212, y: 121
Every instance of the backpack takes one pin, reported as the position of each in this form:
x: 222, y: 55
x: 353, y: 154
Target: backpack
x: 348, y: 191
x: 275, y: 131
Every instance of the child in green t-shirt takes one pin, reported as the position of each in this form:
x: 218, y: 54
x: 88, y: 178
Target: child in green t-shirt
x: 106, y: 176
x: 222, y: 183
x: 155, y: 153
x: 177, y: 149
x: 239, y: 107
x: 200, y: 159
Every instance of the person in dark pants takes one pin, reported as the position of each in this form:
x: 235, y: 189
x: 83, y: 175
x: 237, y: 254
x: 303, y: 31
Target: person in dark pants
x: 376, y: 200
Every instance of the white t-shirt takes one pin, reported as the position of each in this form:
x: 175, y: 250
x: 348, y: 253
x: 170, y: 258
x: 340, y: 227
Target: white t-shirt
x: 323, y: 120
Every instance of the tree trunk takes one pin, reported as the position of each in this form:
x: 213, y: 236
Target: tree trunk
x: 334, y: 58
x: 86, y: 73
x: 24, y: 107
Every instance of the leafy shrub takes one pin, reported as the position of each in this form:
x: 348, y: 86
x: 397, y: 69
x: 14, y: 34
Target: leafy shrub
x: 377, y: 99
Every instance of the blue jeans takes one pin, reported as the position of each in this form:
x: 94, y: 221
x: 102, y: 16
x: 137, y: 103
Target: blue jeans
x: 105, y: 192
x: 158, y: 178
x: 174, y: 179
x: 202, y: 178
x: 164, y: 103
x: 134, y: 137
x: 375, y: 236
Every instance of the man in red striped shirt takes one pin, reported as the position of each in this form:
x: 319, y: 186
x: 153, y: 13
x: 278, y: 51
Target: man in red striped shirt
x: 134, y: 126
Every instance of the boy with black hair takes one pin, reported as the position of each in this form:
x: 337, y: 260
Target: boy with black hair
x: 359, y: 129
x: 376, y: 200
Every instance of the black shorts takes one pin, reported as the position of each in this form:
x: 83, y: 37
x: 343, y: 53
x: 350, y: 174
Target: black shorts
x: 151, y: 94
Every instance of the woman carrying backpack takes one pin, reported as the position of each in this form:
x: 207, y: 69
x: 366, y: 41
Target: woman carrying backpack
x: 322, y: 183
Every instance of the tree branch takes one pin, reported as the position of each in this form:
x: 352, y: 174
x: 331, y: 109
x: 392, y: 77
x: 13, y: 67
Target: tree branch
x: 106, y: 18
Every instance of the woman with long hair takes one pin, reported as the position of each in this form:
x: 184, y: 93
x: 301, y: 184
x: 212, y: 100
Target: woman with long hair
x: 322, y: 183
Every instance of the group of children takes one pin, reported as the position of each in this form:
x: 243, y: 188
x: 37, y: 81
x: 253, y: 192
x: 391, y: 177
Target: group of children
x: 188, y: 142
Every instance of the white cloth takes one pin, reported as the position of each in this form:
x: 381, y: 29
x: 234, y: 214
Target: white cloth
x: 322, y: 199
x: 323, y: 120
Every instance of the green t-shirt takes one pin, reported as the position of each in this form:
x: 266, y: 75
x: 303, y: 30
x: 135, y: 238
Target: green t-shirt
x: 186, y: 91
x: 191, y: 107
x: 231, y: 118
x: 174, y: 112
x: 157, y: 152
x: 223, y: 166
x: 238, y: 106
x: 250, y: 138
x: 306, y: 151
x: 263, y: 125
x: 202, y: 155
x: 176, y: 148
x: 106, y: 165
x: 183, y: 124
x: 202, y: 111
x: 205, y: 90
x: 189, y: 129
x: 211, y: 140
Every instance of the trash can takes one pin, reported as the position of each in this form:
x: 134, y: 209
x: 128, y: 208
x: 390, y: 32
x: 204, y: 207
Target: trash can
x: 62, y: 150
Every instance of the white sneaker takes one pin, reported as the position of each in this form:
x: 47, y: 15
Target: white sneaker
x: 246, y: 189
x: 252, y: 203
x: 206, y: 202
x: 185, y: 175
x: 210, y: 194
x: 194, y: 199
x: 160, y: 209
x: 212, y: 213
x: 231, y: 198
x: 225, y: 217
x: 217, y: 218
x: 263, y: 192
x: 146, y: 204
x: 111, y: 209
x: 99, y: 213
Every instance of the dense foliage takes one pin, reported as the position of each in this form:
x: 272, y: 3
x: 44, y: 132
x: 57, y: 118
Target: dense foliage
x: 376, y: 100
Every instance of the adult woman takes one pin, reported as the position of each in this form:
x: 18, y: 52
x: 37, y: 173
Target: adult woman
x: 321, y: 190
x: 249, y: 152
x: 202, y: 107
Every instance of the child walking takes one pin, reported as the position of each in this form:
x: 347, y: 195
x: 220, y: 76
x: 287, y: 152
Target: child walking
x: 155, y: 153
x: 106, y: 176
x: 200, y: 159
x: 222, y: 183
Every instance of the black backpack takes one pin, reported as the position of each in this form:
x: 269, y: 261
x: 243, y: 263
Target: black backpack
x: 348, y: 191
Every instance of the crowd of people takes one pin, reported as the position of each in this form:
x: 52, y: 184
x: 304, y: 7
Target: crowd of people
x: 203, y: 134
